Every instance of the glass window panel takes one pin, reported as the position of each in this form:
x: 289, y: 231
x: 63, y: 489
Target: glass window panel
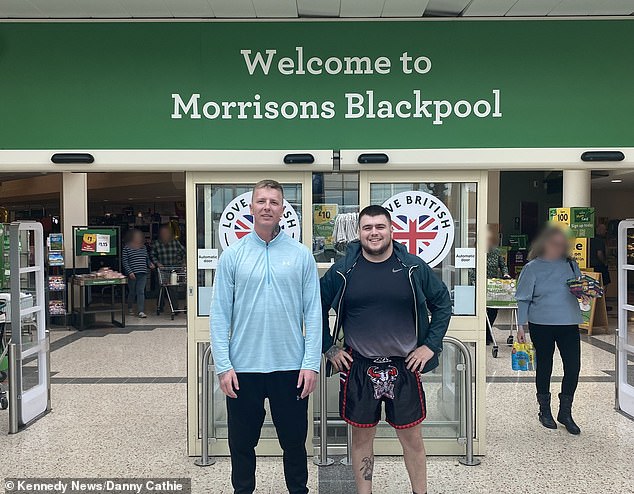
x: 335, y: 212
x: 211, y: 201
x: 461, y: 200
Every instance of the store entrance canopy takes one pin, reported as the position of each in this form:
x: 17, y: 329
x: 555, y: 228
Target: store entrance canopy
x: 267, y: 9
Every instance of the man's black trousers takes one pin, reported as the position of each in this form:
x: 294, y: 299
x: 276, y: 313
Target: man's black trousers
x: 245, y: 418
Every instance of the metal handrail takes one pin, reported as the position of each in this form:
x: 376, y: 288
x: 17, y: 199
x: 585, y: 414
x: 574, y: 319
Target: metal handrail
x: 469, y: 459
x: 207, y: 364
x: 323, y: 459
x: 14, y: 356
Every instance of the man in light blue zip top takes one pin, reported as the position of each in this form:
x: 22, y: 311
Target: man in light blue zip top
x: 266, y: 335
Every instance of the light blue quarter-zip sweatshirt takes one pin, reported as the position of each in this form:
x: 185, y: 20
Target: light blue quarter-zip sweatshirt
x: 264, y: 297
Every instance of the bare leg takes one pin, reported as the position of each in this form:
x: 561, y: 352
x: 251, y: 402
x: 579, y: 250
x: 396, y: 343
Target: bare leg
x: 415, y: 457
x: 363, y: 457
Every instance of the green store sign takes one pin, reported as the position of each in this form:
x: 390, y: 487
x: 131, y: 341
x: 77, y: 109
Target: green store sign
x: 316, y: 85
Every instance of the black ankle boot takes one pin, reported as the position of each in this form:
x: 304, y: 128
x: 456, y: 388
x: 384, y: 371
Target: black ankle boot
x: 565, y: 414
x: 545, y: 415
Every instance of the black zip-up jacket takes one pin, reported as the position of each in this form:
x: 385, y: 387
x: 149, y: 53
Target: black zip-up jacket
x: 431, y: 296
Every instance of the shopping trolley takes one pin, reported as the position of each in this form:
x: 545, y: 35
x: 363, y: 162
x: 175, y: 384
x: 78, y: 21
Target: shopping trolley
x: 171, y: 279
x: 4, y: 349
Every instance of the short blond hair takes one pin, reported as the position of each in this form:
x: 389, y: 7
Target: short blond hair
x: 269, y: 184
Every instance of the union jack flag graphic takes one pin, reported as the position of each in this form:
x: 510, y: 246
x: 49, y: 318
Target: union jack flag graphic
x: 416, y: 234
x: 243, y: 226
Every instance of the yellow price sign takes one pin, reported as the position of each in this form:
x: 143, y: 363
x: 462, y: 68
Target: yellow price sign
x: 324, y: 213
x: 560, y: 216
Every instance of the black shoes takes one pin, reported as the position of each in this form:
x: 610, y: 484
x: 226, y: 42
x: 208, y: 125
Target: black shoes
x: 564, y: 416
x: 545, y: 415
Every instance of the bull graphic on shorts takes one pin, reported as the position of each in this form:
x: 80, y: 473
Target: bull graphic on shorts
x: 383, y: 380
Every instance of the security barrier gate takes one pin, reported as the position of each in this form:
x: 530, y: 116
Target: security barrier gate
x: 625, y: 333
x: 29, y: 367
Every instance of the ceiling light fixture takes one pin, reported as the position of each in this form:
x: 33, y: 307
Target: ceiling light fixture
x: 616, y: 180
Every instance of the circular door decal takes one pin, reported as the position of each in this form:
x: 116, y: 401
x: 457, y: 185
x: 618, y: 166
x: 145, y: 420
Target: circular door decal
x: 423, y: 224
x: 236, y: 220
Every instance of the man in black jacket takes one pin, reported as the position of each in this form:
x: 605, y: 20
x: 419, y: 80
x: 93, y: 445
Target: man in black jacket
x: 383, y: 296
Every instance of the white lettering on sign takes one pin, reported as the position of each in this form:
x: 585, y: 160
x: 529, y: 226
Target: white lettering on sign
x: 348, y: 65
x: 236, y: 221
x: 362, y: 104
x: 358, y: 105
x: 423, y: 224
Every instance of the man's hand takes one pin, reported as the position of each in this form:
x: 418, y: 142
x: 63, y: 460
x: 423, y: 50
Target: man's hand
x: 418, y: 358
x: 132, y: 276
x: 229, y: 383
x: 307, y: 379
x: 159, y: 265
x: 340, y: 359
x: 521, y: 336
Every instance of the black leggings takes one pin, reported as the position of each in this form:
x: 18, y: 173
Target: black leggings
x: 544, y: 337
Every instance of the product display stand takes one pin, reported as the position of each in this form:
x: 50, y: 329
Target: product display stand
x: 597, y: 316
x: 97, y: 241
x: 114, y: 306
x: 5, y: 270
x: 56, y: 277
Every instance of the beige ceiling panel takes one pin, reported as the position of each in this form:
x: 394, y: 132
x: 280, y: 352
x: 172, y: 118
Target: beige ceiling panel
x: 275, y: 8
x: 19, y: 8
x: 594, y: 7
x: 446, y: 7
x: 318, y: 8
x: 404, y: 8
x: 190, y: 8
x: 233, y: 8
x: 147, y: 8
x: 488, y: 8
x: 57, y: 8
x: 361, y: 8
x: 97, y: 8
x: 532, y: 7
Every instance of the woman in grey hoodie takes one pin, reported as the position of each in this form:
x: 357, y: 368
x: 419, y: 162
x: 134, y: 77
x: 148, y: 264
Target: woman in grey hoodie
x: 553, y: 316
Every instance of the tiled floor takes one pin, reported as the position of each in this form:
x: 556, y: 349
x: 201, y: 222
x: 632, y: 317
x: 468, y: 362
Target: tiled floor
x: 119, y: 409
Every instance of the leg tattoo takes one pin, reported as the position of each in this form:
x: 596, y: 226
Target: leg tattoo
x: 368, y: 467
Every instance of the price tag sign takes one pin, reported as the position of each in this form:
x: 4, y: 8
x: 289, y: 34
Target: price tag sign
x: 103, y: 243
x: 207, y: 258
x: 465, y: 257
x: 579, y: 220
x: 324, y: 213
x: 323, y: 224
